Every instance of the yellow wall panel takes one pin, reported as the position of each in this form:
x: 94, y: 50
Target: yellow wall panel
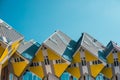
x: 14, y: 47
x: 38, y: 71
x: 4, y: 55
x: 95, y: 69
x: 39, y: 56
x: 1, y: 51
x: 89, y: 56
x: 110, y: 58
x: 15, y: 44
x: 18, y: 67
x: 76, y: 57
x: 60, y: 68
x: 74, y: 71
x: 118, y: 56
x: 52, y: 55
x: 107, y: 72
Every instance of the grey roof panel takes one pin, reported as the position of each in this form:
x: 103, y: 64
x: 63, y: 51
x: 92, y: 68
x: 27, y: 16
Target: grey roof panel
x: 7, y: 33
x: 61, y: 43
x: 111, y: 45
x: 28, y: 49
x: 91, y: 44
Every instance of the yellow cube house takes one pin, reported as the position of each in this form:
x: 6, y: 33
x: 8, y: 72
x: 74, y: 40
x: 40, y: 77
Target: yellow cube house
x: 112, y: 55
x: 86, y: 61
x: 9, y: 42
x: 23, y: 57
x: 54, y: 56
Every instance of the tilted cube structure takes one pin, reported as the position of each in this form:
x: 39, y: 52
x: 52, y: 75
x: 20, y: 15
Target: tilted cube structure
x: 9, y: 42
x: 85, y: 59
x: 112, y: 55
x: 53, y: 56
x: 22, y: 58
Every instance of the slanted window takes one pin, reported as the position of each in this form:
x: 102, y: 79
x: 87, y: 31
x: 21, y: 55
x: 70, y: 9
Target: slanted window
x: 34, y: 64
x: 107, y: 66
x: 83, y: 61
x: 18, y: 59
x: 73, y: 65
x: 46, y: 60
x: 116, y: 63
x: 99, y: 62
x: 93, y: 62
x: 114, y: 51
x: 96, y: 62
x: 58, y: 61
x: 43, y: 48
x: 81, y: 50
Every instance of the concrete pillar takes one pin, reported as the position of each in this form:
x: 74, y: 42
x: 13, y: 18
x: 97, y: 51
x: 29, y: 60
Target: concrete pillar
x: 50, y: 77
x: 113, y: 78
x: 16, y: 78
x: 81, y: 78
x: 4, y: 73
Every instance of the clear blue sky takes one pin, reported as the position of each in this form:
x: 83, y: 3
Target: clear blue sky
x: 38, y: 19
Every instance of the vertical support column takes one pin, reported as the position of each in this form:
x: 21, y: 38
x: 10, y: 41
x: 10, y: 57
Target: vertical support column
x: 114, y: 78
x: 16, y: 78
x: 86, y: 77
x: 51, y: 77
x: 82, y: 78
x: 4, y: 73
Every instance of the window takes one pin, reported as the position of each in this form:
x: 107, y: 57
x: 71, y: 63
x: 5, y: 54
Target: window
x: 107, y: 66
x: 81, y: 50
x: 96, y: 62
x: 73, y: 65
x: 116, y: 63
x: 114, y: 51
x: 83, y: 61
x: 34, y: 64
x: 58, y: 61
x: 46, y: 60
x: 99, y: 62
x: 18, y: 59
x: 93, y: 62
x: 43, y: 48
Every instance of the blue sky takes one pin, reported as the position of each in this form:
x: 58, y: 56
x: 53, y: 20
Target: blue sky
x: 38, y: 19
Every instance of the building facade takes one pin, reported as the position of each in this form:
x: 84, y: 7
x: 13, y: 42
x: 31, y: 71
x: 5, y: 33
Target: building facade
x: 57, y: 58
